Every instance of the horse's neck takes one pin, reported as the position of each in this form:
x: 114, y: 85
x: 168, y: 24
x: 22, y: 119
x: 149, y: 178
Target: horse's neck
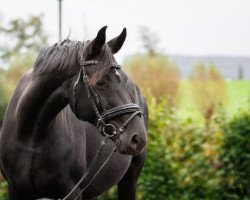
x: 39, y: 106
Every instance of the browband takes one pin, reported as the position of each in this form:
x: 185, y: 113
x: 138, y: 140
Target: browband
x: 94, y: 62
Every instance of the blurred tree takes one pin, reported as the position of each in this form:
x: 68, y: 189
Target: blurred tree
x: 22, y: 36
x: 209, y: 89
x: 240, y: 73
x: 149, y: 41
x: 156, y: 75
x: 152, y: 70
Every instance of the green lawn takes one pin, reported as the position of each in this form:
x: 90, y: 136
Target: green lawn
x: 238, y: 93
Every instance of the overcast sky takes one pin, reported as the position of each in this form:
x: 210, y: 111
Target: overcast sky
x: 189, y: 27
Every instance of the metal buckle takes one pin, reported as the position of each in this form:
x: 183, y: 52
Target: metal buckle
x: 109, y: 130
x: 85, y: 78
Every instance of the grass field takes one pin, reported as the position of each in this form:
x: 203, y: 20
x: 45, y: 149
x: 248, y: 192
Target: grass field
x: 238, y: 93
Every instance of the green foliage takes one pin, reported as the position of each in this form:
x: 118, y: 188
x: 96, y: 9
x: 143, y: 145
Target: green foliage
x: 236, y: 151
x: 3, y: 190
x: 109, y: 195
x: 22, y: 36
x: 157, y: 180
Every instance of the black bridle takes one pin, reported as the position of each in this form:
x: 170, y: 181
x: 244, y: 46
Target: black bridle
x: 105, y: 128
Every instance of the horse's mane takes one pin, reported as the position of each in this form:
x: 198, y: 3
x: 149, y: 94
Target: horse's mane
x: 64, y: 59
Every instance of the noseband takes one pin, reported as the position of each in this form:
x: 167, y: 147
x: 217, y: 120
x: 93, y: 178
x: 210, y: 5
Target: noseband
x: 106, y: 129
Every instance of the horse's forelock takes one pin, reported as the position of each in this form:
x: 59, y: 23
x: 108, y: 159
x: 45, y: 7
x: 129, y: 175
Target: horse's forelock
x: 104, y: 63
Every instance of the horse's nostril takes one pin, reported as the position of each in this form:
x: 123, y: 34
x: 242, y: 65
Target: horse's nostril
x: 135, y: 139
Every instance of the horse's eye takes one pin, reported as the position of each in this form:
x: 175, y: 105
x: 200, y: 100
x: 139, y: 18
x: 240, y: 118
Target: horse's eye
x: 101, y: 83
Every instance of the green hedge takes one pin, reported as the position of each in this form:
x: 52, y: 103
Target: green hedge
x: 236, y: 155
x: 3, y: 190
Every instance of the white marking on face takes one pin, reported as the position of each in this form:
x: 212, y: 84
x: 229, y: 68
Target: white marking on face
x: 116, y: 72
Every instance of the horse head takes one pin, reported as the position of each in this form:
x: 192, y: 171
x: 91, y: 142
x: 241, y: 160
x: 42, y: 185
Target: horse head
x: 101, y: 94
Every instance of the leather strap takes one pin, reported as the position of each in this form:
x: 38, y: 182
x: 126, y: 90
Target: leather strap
x: 120, y: 110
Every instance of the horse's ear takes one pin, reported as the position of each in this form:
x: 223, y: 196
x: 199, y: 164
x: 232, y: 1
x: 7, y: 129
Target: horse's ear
x: 98, y: 42
x: 116, y: 43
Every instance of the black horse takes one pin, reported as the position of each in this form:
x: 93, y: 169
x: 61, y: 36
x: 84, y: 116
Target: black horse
x: 57, y: 116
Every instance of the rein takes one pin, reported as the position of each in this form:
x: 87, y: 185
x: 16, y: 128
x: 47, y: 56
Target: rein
x: 106, y: 129
x: 98, y: 153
